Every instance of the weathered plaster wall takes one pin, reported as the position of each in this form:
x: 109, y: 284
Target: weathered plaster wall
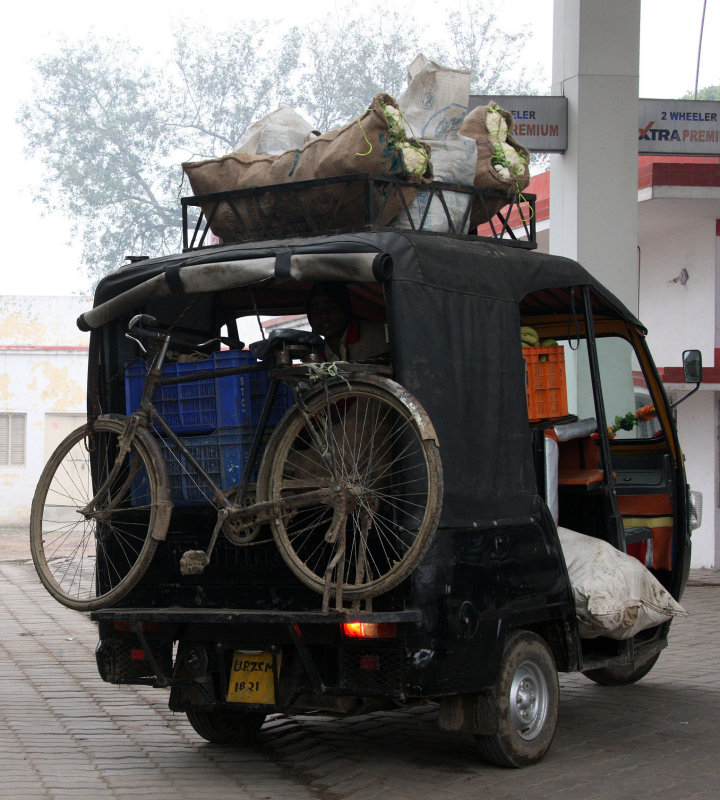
x: 43, y: 366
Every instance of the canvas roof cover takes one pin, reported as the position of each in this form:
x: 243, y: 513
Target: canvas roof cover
x: 454, y: 318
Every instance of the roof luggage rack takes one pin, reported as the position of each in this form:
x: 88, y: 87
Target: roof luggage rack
x: 356, y: 203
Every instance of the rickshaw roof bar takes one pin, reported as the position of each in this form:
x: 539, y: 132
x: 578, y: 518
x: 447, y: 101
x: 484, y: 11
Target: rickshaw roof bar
x: 455, y: 262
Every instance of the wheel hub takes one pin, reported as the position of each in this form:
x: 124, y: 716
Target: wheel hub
x: 528, y: 700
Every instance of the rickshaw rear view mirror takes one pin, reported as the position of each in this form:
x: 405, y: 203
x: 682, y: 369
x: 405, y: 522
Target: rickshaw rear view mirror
x: 692, y: 372
x: 692, y: 366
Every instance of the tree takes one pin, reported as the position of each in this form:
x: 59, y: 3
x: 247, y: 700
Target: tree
x: 478, y: 43
x: 348, y: 60
x: 708, y: 93
x: 223, y: 83
x: 112, y: 132
x: 112, y: 129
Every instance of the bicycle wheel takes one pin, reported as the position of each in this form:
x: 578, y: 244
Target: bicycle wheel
x: 364, y: 440
x: 90, y: 550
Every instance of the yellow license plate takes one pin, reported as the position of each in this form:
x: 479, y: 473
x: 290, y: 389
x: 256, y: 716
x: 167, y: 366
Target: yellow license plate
x: 251, y: 677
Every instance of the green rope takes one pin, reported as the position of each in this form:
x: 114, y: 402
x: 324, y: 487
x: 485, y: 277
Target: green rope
x: 362, y: 130
x: 325, y: 371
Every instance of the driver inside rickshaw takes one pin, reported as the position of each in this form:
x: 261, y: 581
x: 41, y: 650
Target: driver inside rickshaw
x: 347, y: 338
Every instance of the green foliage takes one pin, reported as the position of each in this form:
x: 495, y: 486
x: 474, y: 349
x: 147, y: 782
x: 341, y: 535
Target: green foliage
x: 708, y: 93
x: 111, y: 128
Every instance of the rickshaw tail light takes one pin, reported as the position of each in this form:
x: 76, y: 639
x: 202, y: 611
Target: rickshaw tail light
x: 370, y: 630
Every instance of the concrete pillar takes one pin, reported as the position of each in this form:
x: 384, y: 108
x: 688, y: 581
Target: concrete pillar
x: 593, y: 186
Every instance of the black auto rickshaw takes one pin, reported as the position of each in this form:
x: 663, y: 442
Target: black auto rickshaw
x: 266, y: 591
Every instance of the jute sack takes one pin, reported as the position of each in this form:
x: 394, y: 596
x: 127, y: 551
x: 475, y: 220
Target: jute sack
x: 615, y: 595
x: 363, y: 146
x: 502, y: 163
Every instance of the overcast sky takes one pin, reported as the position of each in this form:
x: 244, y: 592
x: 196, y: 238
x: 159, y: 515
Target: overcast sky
x: 38, y: 258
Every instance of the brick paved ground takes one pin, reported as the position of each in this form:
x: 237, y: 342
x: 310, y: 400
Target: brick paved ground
x: 64, y: 733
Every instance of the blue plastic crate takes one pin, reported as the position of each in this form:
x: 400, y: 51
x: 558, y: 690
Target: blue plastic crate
x: 222, y: 454
x: 204, y: 405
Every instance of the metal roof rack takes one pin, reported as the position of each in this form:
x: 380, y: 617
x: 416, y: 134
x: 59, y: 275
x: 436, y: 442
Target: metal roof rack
x: 361, y: 202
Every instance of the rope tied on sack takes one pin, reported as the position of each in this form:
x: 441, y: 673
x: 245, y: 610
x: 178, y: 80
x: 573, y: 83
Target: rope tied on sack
x: 413, y: 154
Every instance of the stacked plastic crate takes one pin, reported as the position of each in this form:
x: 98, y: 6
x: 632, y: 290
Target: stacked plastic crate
x: 215, y: 418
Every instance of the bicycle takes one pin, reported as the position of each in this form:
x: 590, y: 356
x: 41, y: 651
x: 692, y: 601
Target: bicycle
x: 350, y: 482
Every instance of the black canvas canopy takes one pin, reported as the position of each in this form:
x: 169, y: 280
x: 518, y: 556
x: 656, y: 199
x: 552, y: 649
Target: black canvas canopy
x: 454, y: 308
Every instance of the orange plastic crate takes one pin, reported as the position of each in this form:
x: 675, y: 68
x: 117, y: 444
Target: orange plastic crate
x: 545, y: 384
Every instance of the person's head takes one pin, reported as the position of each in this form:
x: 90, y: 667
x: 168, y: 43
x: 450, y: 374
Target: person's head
x: 329, y: 309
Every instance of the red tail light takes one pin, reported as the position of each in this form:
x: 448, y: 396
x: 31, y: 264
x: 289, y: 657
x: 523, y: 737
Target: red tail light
x: 370, y: 630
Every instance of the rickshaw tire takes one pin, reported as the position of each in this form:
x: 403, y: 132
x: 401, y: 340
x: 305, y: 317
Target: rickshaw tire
x: 112, y: 425
x: 221, y: 726
x: 621, y: 676
x: 423, y: 539
x: 526, y: 696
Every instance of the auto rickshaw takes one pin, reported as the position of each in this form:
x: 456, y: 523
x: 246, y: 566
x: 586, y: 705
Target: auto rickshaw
x: 419, y: 559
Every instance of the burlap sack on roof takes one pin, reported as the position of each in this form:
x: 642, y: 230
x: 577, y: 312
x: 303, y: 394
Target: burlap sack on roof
x: 362, y: 146
x: 486, y: 176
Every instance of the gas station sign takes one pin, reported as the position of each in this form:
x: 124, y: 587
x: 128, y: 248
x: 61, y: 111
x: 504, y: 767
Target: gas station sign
x: 540, y: 120
x: 665, y: 127
x: 679, y: 127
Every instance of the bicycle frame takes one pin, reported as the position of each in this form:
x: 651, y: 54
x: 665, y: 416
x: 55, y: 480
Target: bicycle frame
x: 147, y: 415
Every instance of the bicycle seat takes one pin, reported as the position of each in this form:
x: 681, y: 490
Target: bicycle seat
x: 286, y: 339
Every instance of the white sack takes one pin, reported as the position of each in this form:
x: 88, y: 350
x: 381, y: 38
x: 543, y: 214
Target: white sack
x: 454, y: 161
x: 277, y: 132
x: 436, y: 99
x: 433, y: 107
x: 615, y: 595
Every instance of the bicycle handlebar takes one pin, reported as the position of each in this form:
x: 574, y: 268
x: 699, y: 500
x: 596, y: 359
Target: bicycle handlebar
x: 147, y: 327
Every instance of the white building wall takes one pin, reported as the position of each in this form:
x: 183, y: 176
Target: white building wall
x: 677, y: 234
x: 43, y: 368
x: 697, y: 429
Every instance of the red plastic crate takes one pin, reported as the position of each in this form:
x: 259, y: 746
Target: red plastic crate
x: 545, y: 384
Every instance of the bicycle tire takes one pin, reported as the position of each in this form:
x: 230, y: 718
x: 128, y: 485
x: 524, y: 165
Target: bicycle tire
x: 385, y: 464
x: 91, y: 560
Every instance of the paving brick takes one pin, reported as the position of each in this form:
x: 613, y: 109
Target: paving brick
x: 64, y: 733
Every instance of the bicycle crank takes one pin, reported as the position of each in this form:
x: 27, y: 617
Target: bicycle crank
x: 193, y: 562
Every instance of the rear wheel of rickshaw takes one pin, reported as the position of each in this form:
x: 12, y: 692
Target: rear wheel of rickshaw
x: 526, y: 698
x: 222, y: 726
x: 368, y: 443
x: 89, y: 555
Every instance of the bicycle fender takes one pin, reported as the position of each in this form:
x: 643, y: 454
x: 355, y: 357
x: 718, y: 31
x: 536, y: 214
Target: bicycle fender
x: 164, y: 502
x: 421, y: 417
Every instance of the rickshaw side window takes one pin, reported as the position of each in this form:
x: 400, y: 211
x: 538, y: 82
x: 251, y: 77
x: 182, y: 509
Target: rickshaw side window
x: 629, y: 405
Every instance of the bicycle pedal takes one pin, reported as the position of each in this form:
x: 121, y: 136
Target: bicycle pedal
x: 193, y: 562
